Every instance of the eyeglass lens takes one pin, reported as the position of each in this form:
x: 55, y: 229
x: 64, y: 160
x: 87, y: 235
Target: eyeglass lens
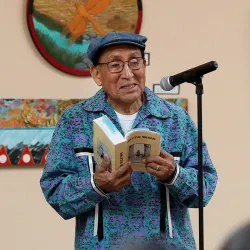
x: 117, y: 66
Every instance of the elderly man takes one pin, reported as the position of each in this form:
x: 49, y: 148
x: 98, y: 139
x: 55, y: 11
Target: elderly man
x: 115, y: 209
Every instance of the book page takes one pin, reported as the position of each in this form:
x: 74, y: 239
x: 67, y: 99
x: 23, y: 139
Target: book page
x: 141, y: 144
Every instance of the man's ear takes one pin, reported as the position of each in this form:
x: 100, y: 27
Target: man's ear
x: 95, y: 75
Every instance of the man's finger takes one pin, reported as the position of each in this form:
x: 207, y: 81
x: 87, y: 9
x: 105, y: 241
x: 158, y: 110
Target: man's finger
x: 165, y: 154
x: 106, y: 159
x: 156, y: 159
x: 152, y: 165
x: 153, y: 171
x: 105, y: 164
x: 123, y: 170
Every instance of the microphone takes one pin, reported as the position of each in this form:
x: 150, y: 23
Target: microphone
x: 169, y: 82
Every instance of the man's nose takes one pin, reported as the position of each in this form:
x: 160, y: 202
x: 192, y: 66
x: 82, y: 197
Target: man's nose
x: 127, y: 70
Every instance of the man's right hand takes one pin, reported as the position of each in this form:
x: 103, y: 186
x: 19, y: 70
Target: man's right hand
x: 112, y: 181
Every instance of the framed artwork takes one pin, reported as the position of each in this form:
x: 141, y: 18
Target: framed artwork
x: 63, y: 29
x: 159, y: 91
x: 27, y: 126
x: 26, y: 129
x: 147, y: 58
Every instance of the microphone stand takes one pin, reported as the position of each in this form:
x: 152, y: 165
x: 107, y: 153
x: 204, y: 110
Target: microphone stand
x: 194, y: 76
x: 199, y: 91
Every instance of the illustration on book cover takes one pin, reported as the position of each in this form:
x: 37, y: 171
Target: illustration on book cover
x: 102, y: 150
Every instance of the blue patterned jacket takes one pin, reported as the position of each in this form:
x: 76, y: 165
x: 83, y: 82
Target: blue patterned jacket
x: 146, y: 212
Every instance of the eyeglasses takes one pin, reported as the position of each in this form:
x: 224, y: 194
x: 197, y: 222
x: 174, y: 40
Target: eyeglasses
x: 117, y: 66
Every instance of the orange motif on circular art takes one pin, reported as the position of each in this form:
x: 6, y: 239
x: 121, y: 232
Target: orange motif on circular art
x: 63, y: 29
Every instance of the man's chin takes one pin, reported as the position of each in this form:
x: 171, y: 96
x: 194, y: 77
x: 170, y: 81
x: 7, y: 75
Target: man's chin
x: 131, y: 98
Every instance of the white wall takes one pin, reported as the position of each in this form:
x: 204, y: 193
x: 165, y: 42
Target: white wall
x: 181, y: 36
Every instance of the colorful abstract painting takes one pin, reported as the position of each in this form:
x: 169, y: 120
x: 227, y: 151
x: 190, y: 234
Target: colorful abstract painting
x: 63, y: 29
x: 27, y: 126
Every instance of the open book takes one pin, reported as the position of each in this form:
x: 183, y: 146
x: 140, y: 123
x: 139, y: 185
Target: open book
x: 134, y: 147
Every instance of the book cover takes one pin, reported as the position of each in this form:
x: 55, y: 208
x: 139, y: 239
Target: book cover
x: 135, y: 146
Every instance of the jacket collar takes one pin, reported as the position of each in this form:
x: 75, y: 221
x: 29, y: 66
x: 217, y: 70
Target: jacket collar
x: 153, y: 104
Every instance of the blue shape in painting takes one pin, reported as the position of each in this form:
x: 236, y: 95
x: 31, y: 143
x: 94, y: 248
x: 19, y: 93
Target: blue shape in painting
x: 61, y: 41
x: 14, y: 141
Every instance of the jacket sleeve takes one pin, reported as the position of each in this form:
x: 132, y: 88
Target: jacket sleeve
x: 66, y: 180
x: 185, y: 187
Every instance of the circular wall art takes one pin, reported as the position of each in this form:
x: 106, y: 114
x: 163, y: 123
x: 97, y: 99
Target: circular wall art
x: 63, y: 29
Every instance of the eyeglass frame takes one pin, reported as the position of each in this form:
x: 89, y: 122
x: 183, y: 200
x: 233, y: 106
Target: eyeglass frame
x: 107, y: 63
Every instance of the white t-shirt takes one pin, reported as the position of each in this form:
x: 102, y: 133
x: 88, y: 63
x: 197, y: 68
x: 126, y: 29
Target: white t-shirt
x: 126, y: 121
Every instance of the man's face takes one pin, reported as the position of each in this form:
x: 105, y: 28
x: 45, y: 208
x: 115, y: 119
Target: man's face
x: 127, y: 86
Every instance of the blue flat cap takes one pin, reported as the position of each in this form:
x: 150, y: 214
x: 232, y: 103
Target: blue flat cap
x: 113, y: 38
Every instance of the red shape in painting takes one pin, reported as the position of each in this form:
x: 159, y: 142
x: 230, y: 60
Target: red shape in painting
x: 44, y: 155
x: 26, y: 157
x: 4, y: 158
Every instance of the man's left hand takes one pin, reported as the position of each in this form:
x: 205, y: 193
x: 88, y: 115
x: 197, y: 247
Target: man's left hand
x: 161, y: 166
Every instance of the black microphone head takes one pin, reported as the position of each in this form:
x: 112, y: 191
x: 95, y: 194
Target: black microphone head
x: 165, y: 84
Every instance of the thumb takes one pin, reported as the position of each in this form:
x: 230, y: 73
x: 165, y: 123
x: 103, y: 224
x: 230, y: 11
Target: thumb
x: 164, y: 153
x: 106, y: 159
x: 105, y: 164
